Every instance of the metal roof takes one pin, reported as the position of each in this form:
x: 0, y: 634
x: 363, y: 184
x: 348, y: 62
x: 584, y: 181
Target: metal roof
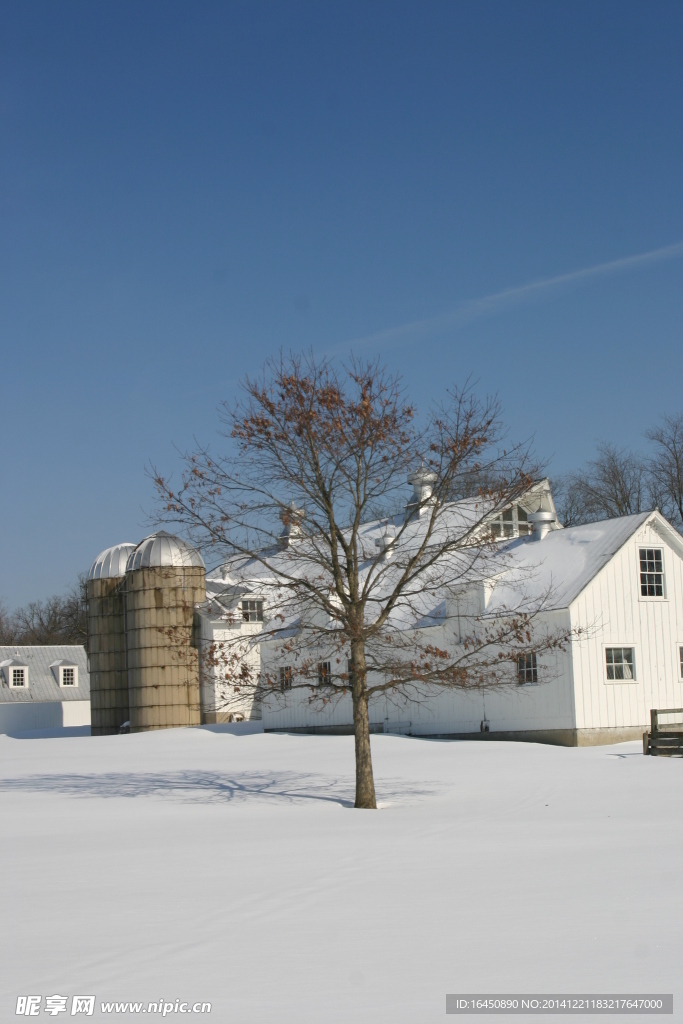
x: 42, y: 685
x: 164, y: 549
x: 111, y: 563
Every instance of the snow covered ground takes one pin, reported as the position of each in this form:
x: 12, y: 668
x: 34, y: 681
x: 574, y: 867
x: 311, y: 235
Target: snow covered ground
x: 208, y: 865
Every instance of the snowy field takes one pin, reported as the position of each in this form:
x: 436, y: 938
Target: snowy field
x: 206, y: 865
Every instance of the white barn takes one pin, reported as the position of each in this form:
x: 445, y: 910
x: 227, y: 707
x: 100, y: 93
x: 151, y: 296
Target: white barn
x: 43, y: 688
x: 618, y: 584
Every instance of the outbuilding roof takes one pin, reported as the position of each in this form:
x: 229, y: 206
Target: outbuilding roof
x: 43, y: 686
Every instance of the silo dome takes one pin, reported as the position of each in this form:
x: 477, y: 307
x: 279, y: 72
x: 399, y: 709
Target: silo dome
x: 164, y: 549
x: 111, y: 563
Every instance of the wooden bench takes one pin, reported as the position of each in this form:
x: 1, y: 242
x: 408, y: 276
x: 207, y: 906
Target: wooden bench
x: 664, y: 739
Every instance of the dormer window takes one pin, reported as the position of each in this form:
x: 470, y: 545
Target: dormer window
x: 252, y: 611
x: 14, y: 674
x: 65, y: 673
x: 18, y: 678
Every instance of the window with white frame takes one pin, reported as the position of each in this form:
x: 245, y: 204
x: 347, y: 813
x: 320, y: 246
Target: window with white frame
x: 252, y: 611
x: 18, y: 678
x: 651, y: 572
x: 68, y: 675
x: 513, y: 522
x: 324, y: 673
x: 527, y: 669
x: 286, y: 678
x: 504, y: 525
x: 619, y: 664
x: 523, y: 526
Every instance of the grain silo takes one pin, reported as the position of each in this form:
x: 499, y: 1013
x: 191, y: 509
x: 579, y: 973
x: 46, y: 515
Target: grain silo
x: 107, y: 641
x: 165, y: 579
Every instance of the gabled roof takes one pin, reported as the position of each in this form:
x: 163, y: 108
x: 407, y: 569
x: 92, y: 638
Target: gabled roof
x: 42, y: 685
x: 563, y: 563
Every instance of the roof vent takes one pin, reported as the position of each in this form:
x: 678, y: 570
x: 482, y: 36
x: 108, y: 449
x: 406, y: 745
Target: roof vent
x: 292, y: 518
x: 422, y: 482
x: 541, y: 521
x: 385, y: 542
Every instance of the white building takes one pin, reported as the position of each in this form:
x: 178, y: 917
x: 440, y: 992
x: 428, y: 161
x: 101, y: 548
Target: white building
x: 43, y: 688
x: 616, y: 585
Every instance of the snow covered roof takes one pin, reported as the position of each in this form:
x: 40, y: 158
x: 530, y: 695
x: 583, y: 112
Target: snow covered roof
x: 164, y: 549
x: 546, y: 568
x: 562, y: 564
x: 42, y: 684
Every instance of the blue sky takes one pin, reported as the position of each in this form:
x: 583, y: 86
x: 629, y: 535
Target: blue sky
x: 185, y: 188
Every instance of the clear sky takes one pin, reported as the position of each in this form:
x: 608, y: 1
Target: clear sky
x: 187, y: 187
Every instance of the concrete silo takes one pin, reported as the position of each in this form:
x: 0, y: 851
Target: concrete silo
x: 107, y: 641
x: 165, y: 579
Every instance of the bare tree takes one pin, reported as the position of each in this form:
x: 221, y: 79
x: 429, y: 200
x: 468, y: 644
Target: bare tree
x: 7, y: 631
x: 666, y: 467
x: 56, y: 620
x: 615, y: 483
x: 325, y: 451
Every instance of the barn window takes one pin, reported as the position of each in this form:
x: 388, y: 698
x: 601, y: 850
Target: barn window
x: 252, y: 611
x: 68, y: 676
x: 523, y: 525
x: 286, y: 678
x: 324, y: 673
x: 511, y: 523
x: 527, y: 670
x: 18, y: 677
x: 619, y: 663
x: 350, y: 671
x: 651, y: 572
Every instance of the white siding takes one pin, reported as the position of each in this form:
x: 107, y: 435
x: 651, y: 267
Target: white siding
x: 615, y: 615
x: 546, y: 705
x: 29, y: 716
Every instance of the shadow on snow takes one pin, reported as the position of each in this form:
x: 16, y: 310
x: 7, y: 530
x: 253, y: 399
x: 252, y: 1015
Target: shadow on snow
x: 207, y: 787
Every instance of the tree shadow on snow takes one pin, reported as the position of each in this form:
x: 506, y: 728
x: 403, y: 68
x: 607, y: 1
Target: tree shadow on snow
x: 208, y: 787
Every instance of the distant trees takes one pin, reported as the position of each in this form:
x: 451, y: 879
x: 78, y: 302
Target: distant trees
x: 621, y: 482
x: 57, y: 620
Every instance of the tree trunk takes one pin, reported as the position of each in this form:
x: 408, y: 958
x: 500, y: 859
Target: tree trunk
x: 365, y: 782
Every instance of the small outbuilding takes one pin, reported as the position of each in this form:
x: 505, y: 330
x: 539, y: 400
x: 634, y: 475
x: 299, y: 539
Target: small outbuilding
x: 43, y: 688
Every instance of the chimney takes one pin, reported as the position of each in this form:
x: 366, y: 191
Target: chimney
x: 541, y: 521
x: 422, y: 482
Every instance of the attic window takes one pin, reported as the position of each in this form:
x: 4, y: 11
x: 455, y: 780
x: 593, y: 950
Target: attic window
x: 651, y: 572
x: 68, y: 677
x: 18, y: 678
x: 512, y: 522
x: 523, y: 526
x: 252, y: 611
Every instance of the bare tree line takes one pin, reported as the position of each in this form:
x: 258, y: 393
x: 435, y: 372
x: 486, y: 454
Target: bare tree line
x: 56, y: 620
x: 622, y: 482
